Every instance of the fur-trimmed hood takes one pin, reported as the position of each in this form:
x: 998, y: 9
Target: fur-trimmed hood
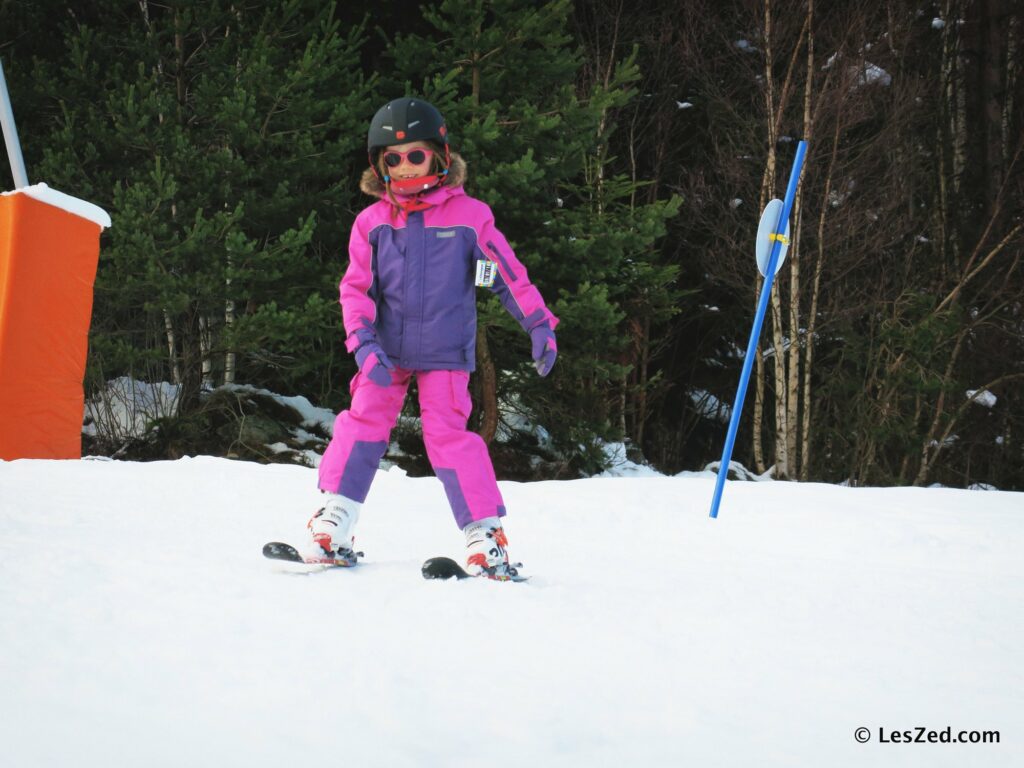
x: 374, y: 187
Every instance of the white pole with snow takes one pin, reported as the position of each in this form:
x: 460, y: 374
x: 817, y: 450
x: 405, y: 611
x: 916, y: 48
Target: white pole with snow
x: 11, y: 135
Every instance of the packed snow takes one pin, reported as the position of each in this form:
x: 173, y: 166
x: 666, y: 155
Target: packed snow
x: 142, y: 626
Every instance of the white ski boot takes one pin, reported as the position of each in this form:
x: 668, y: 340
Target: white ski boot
x: 331, y: 530
x: 487, y: 550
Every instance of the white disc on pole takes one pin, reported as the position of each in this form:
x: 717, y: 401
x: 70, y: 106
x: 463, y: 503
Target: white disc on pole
x: 766, y: 237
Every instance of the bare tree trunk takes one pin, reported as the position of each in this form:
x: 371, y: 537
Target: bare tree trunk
x: 193, y: 355
x: 758, y: 421
x: 641, y: 404
x: 958, y: 105
x: 488, y: 387
x: 205, y: 345
x: 599, y: 173
x: 982, y: 36
x: 623, y: 404
x: 994, y: 16
x: 229, y: 304
x: 172, y: 342
x: 488, y: 426
x: 785, y: 423
x: 229, y: 357
x: 797, y: 347
x: 812, y: 318
x: 781, y: 406
x: 1012, y: 47
x: 943, y: 132
x: 172, y: 347
x: 602, y: 127
x: 767, y: 187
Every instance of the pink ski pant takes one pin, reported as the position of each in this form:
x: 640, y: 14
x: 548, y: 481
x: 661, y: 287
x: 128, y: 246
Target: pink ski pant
x: 459, y: 457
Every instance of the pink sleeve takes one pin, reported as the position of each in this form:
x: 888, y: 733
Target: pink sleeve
x: 358, y: 306
x: 513, y: 287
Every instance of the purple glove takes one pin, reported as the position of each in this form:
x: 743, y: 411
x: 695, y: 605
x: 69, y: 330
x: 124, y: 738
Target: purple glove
x: 545, y: 350
x: 374, y: 364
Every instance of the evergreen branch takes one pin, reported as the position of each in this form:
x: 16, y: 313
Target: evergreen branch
x: 927, y: 462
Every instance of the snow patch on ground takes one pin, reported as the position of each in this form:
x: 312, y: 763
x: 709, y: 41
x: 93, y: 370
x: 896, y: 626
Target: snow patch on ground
x: 619, y: 465
x: 312, y: 416
x: 125, y: 407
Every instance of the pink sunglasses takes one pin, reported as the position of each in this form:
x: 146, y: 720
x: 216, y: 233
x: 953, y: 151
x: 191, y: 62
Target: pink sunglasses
x: 393, y: 158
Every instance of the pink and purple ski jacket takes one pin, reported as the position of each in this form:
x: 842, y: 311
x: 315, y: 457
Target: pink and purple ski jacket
x: 411, y: 280
x: 410, y: 287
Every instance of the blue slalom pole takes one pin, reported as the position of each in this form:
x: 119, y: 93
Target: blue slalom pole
x: 755, y: 332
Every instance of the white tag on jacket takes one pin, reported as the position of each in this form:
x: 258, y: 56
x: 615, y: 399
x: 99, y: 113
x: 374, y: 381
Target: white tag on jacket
x: 486, y: 271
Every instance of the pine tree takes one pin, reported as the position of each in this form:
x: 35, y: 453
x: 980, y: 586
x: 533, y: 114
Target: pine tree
x: 223, y: 139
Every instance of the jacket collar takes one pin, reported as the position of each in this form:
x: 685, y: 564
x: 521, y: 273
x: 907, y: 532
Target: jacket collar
x: 428, y: 199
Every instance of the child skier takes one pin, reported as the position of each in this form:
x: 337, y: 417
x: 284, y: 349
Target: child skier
x: 409, y: 308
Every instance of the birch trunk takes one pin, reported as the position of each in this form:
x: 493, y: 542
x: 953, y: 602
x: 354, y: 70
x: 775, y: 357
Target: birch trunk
x: 172, y: 347
x: 785, y: 442
x: 798, y: 342
x: 767, y: 185
x: 781, y: 406
x: 229, y: 357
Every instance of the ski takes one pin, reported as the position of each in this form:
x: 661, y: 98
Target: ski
x: 277, y: 550
x: 434, y: 568
x: 446, y: 568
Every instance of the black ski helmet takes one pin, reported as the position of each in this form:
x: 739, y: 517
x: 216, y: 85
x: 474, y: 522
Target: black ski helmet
x: 403, y: 120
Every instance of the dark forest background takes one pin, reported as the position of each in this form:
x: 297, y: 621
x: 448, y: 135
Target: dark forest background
x: 627, y: 149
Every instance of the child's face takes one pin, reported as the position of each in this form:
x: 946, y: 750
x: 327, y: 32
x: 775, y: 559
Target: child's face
x: 398, y: 159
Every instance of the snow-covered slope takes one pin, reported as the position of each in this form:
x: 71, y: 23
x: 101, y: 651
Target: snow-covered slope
x: 139, y: 625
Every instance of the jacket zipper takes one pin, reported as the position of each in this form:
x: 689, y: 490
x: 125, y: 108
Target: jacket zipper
x: 494, y: 248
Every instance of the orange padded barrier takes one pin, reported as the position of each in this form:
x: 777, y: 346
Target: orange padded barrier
x: 48, y: 259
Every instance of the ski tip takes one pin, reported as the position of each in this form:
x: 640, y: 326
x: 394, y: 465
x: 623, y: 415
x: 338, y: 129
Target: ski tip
x: 277, y: 550
x: 443, y: 568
